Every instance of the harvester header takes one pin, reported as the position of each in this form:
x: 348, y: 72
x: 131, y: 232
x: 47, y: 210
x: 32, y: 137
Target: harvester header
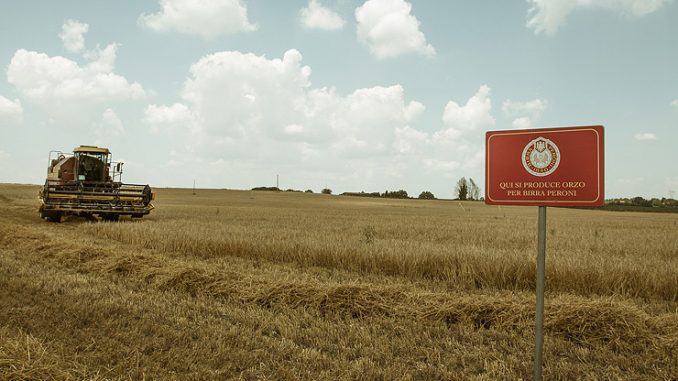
x: 88, y: 183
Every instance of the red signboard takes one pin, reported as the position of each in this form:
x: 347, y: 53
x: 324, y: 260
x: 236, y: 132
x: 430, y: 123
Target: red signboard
x: 545, y: 167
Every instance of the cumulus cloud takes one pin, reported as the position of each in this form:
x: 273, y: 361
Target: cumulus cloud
x: 522, y: 123
x: 458, y: 146
x: 674, y: 103
x: 48, y: 80
x: 316, y: 16
x: 409, y: 140
x: 388, y: 29
x: 533, y: 107
x: 524, y: 112
x: 474, y: 115
x: 175, y: 117
x: 547, y: 16
x: 246, y: 114
x: 205, y: 18
x: 645, y: 136
x: 111, y: 125
x: 246, y: 104
x: 10, y: 109
x: 436, y: 165
x: 234, y: 94
x: 72, y: 35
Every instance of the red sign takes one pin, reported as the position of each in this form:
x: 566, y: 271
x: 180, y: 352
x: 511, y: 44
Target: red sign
x: 545, y: 167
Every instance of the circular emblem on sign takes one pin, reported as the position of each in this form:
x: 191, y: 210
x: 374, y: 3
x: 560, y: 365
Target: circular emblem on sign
x: 541, y: 157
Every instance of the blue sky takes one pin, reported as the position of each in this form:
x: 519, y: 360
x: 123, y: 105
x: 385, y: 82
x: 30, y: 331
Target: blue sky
x: 353, y: 95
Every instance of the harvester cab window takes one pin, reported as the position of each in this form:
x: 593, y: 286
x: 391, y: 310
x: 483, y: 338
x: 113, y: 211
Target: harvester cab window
x: 92, y: 166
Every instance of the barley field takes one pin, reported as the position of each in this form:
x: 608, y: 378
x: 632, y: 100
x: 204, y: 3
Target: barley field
x: 286, y: 286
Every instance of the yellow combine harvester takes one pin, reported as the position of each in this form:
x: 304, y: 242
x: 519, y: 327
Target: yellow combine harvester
x: 88, y: 183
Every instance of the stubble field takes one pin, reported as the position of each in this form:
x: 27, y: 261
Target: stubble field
x: 259, y: 285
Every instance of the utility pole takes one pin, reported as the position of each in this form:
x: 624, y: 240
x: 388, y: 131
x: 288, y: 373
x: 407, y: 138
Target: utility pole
x: 277, y: 181
x: 194, y: 187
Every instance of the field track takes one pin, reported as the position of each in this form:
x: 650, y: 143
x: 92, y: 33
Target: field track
x: 260, y: 285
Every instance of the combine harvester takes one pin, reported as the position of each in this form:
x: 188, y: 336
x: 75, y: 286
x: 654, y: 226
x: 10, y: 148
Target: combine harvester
x: 87, y: 183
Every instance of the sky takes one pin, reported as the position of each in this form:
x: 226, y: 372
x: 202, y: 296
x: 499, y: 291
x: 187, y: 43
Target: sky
x: 352, y: 95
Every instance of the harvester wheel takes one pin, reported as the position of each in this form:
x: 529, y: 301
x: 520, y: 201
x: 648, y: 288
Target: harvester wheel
x: 52, y: 217
x: 111, y: 217
x: 89, y: 216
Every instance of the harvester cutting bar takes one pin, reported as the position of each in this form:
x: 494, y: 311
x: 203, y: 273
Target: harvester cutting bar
x: 94, y: 193
x: 104, y: 199
x: 99, y: 208
x: 143, y: 192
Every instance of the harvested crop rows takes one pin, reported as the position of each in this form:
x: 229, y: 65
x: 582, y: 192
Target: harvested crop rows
x: 261, y: 285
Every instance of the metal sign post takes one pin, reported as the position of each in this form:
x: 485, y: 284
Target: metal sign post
x: 539, y: 318
x: 542, y: 167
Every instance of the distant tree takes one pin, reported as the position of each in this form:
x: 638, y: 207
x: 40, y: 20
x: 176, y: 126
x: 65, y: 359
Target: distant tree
x: 326, y: 191
x: 639, y: 201
x: 269, y: 189
x: 426, y: 195
x: 395, y: 194
x: 473, y: 190
x: 309, y: 191
x: 462, y: 189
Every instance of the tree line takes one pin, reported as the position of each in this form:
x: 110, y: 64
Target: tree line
x: 640, y: 201
x: 464, y: 190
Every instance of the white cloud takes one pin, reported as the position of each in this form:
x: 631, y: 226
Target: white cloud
x: 408, y: 140
x: 475, y: 114
x: 294, y: 129
x: 524, y: 112
x: 546, y: 16
x: 254, y: 115
x: 206, y: 18
x: 236, y: 94
x: 57, y: 80
x: 316, y: 16
x: 645, y: 136
x: 522, y: 123
x: 533, y: 107
x: 441, y: 165
x: 174, y: 117
x: 413, y: 110
x: 674, y: 103
x: 111, y: 125
x: 109, y: 128
x: 72, y: 35
x: 10, y: 109
x: 234, y: 101
x: 371, y: 116
x: 457, y: 149
x: 102, y: 60
x: 388, y: 29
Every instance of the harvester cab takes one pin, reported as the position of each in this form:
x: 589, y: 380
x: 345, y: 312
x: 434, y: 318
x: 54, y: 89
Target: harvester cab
x: 88, y: 183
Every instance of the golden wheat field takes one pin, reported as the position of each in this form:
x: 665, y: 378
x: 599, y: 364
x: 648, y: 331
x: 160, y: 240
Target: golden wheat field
x: 285, y: 286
